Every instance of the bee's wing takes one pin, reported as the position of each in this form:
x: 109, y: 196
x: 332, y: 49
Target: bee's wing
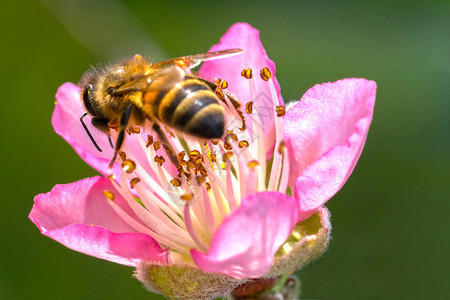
x: 164, y: 78
x: 192, y: 61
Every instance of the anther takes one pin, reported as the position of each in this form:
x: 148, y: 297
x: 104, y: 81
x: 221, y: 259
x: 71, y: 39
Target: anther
x: 122, y: 155
x: 249, y: 107
x: 219, y: 93
x: 128, y: 166
x: 280, y: 110
x: 200, y: 179
x: 194, y: 154
x: 199, y: 159
x: 281, y: 147
x: 157, y: 145
x: 111, y: 177
x: 149, y: 141
x: 213, y: 157
x: 135, y: 130
x: 159, y: 160
x: 243, y: 144
x: 215, y: 142
x: 247, y: 73
x: 227, y: 156
x: 108, y: 194
x: 134, y: 181
x: 253, y: 163
x: 208, y: 186
x: 186, y: 197
x: 176, y: 182
x: 222, y: 83
x: 265, y: 74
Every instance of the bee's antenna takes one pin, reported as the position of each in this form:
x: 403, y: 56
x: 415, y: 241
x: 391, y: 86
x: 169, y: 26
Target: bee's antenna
x: 110, y: 142
x: 88, y: 133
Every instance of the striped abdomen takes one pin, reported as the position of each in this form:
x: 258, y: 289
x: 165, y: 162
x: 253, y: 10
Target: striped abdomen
x: 190, y: 107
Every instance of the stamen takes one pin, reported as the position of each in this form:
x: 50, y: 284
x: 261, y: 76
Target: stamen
x: 249, y: 107
x: 176, y: 182
x: 219, y: 93
x: 222, y: 83
x: 122, y: 155
x: 252, y: 164
x: 134, y: 181
x: 243, y: 144
x: 190, y: 228
x: 247, y: 73
x: 128, y: 166
x: 280, y: 110
x: 157, y: 145
x: 149, y: 141
x: 265, y: 74
x: 108, y: 194
x: 159, y: 160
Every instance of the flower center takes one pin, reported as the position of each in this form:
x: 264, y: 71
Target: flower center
x: 180, y: 193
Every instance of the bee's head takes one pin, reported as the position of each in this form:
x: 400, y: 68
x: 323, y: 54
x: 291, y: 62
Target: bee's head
x: 87, y: 84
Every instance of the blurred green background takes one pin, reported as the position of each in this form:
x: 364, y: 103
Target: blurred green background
x: 390, y: 221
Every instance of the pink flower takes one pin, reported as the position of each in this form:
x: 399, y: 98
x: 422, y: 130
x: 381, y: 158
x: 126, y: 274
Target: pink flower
x: 228, y: 216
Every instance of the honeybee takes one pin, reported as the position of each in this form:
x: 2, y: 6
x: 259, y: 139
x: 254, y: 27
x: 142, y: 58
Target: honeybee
x: 130, y: 92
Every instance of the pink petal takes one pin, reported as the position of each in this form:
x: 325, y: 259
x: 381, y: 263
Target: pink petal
x: 66, y: 122
x: 246, y: 242
x: 325, y: 133
x: 242, y: 35
x: 78, y: 216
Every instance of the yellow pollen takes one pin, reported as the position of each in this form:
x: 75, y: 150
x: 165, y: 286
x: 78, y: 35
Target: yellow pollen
x: 253, y: 163
x: 122, y: 155
x: 108, y: 194
x: 157, y: 145
x: 227, y: 156
x: 149, y: 141
x: 159, y: 159
x: 190, y: 164
x: 220, y: 94
x: 134, y: 181
x: 213, y: 157
x: 243, y: 144
x: 199, y: 159
x: 281, y: 147
x: 128, y: 166
x: 265, y: 74
x: 222, y: 165
x: 200, y: 179
x: 194, y: 154
x: 280, y: 110
x: 222, y: 83
x: 249, y: 107
x: 247, y: 73
x: 186, y: 197
x: 137, y: 57
x: 227, y: 146
x: 134, y: 130
x: 208, y: 186
x: 176, y: 182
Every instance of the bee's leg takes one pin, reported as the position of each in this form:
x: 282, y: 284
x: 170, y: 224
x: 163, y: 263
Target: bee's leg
x: 166, y: 144
x: 124, y: 119
x: 88, y: 132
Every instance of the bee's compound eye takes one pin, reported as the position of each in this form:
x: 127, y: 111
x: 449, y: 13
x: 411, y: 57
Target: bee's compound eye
x: 87, y: 101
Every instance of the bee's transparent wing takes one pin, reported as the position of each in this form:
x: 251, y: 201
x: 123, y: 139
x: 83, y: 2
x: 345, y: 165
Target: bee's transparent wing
x: 192, y: 61
x: 162, y: 79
